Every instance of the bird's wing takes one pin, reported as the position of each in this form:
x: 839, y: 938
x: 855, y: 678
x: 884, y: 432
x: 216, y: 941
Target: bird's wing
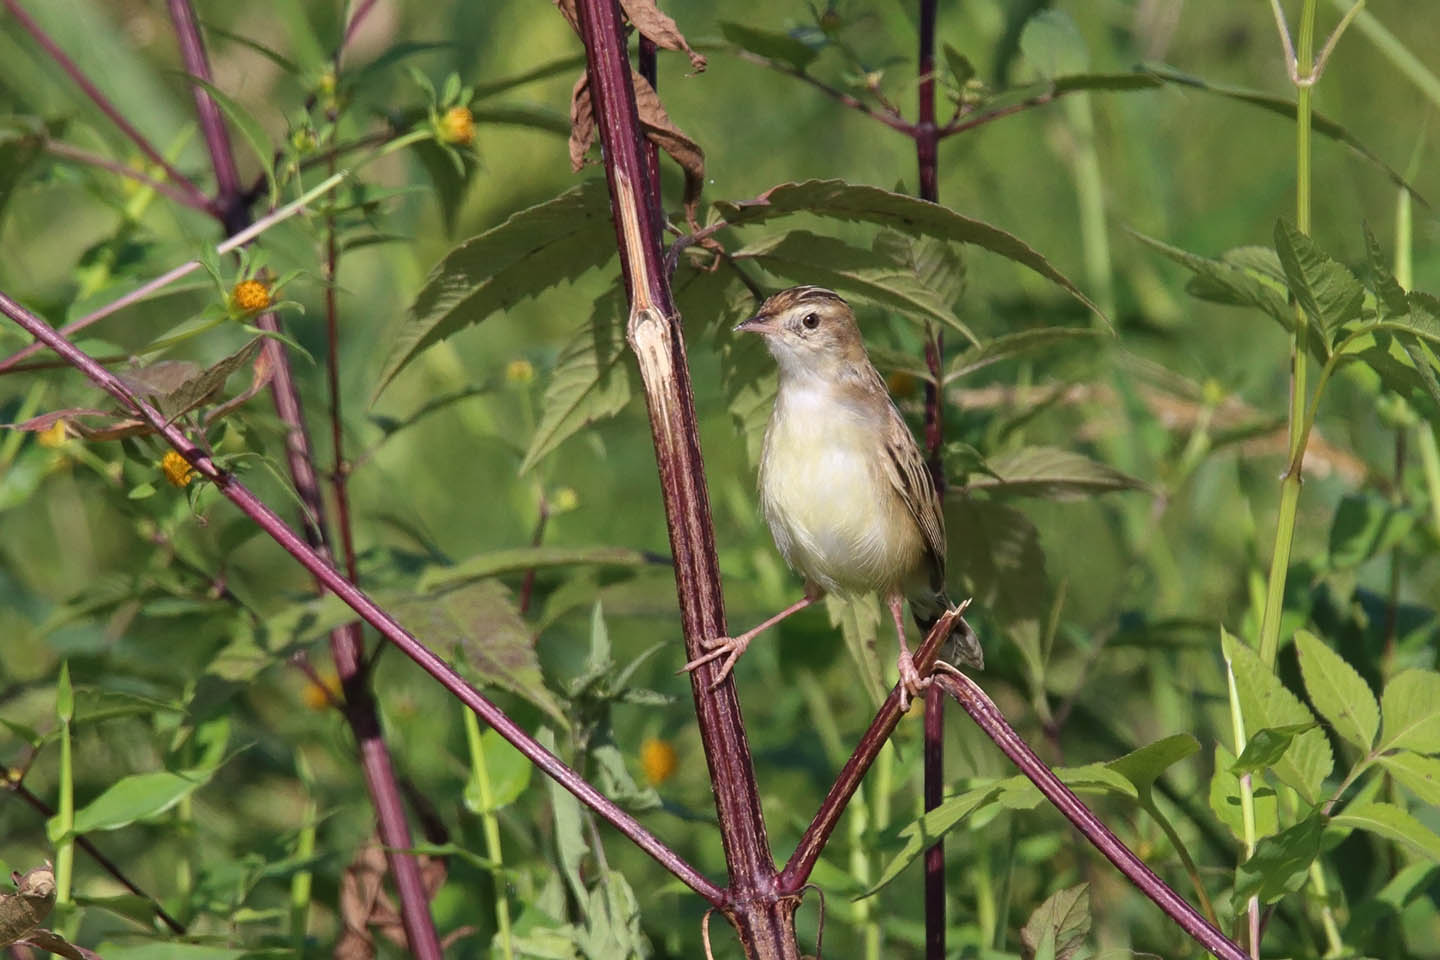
x: 906, y: 469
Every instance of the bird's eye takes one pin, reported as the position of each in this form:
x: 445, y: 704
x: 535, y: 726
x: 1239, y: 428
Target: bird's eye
x: 811, y: 321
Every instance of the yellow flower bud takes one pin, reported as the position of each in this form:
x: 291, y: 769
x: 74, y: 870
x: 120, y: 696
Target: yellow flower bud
x: 250, y: 296
x: 457, y: 127
x: 658, y: 759
x: 519, y: 371
x: 53, y: 435
x: 177, y: 469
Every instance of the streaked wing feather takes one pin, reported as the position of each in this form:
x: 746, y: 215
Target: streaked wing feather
x: 907, y: 471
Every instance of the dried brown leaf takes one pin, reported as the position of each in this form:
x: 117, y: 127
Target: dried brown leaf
x: 582, y: 122
x: 366, y: 907
x: 660, y: 29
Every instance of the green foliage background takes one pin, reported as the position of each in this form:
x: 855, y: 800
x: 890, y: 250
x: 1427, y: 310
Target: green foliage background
x: 1123, y: 577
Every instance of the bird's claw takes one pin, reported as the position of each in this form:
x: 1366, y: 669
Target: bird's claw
x: 912, y: 684
x: 728, y: 647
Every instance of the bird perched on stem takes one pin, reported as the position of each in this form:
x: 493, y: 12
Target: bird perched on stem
x: 844, y: 489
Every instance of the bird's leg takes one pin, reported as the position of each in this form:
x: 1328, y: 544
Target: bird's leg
x: 731, y: 647
x: 911, y: 683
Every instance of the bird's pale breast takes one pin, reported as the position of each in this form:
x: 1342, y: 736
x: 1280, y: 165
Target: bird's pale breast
x: 835, y: 516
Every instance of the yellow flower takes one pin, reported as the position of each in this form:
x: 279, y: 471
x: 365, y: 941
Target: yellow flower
x: 457, y: 126
x: 177, y: 469
x: 321, y: 695
x: 250, y: 296
x: 657, y: 758
x: 519, y: 371
x: 53, y: 435
x: 564, y: 500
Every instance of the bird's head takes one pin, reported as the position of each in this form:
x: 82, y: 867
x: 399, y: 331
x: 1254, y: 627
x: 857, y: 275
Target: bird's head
x: 810, y: 330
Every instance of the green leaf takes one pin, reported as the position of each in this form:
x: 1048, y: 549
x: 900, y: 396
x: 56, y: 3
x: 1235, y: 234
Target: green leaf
x: 1144, y: 766
x: 593, y: 379
x: 569, y: 838
x: 1410, y: 706
x: 138, y: 797
x: 1280, y: 863
x: 1324, y: 287
x: 1389, y: 821
x: 859, y: 621
x: 527, y: 254
x: 1050, y: 473
x: 1062, y: 922
x: 478, y: 623
x: 1340, y: 694
x: 251, y: 129
x: 939, y: 266
x: 1266, y: 703
x: 514, y: 560
x: 1002, y: 565
x: 767, y: 43
x: 924, y: 832
x: 805, y: 257
x: 508, y: 770
x: 961, y: 69
x: 1011, y: 345
x: 1225, y: 799
x: 1366, y: 525
x: 1419, y: 774
x: 1053, y: 44
x: 1264, y: 747
x: 837, y: 199
x: 1388, y: 294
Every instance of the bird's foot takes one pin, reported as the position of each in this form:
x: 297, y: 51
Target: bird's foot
x: 716, y: 647
x: 912, y: 684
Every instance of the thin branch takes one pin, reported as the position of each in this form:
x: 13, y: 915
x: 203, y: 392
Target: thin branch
x: 75, y: 154
x: 366, y: 608
x: 357, y: 18
x: 105, y: 106
x: 985, y: 714
x: 961, y: 125
x: 886, y: 116
x: 104, y: 862
x: 212, y: 124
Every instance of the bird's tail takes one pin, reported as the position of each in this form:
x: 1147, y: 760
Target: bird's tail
x: 962, y: 647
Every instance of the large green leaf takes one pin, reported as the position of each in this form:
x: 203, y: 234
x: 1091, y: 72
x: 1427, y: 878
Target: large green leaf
x: 839, y: 200
x: 522, y: 257
x: 1280, y: 863
x: 1410, y: 705
x: 1393, y: 823
x: 1324, y: 287
x: 1340, y: 694
x: 805, y: 257
x: 1265, y: 702
x: 1144, y: 766
x: 1060, y: 924
x: 593, y: 379
x: 1419, y: 773
x: 1050, y: 473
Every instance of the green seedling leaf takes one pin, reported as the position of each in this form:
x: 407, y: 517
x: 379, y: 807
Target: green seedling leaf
x: 1365, y: 526
x: 802, y: 256
x: 594, y: 378
x: 1410, y: 706
x: 1266, y: 703
x: 1013, y: 345
x: 1062, y: 923
x: 1052, y: 474
x: 527, y: 254
x: 494, y: 563
x: 1391, y: 822
x: 1340, y: 694
x: 1279, y: 865
x: 839, y: 200
x: 137, y: 797
x: 776, y: 46
x: 1265, y: 747
x: 1419, y: 774
x: 1324, y: 287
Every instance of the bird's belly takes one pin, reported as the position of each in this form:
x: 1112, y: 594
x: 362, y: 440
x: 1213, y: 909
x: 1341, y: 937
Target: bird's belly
x: 835, y: 517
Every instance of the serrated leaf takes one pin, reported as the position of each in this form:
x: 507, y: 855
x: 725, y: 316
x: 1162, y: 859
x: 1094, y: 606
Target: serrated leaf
x: 805, y: 257
x: 851, y: 202
x: 1410, y: 706
x: 527, y: 254
x: 1265, y: 746
x: 1365, y: 526
x: 1279, y: 865
x: 1423, y: 318
x: 1142, y: 767
x: 938, y: 265
x: 1340, y: 694
x: 1002, y: 565
x: 1012, y: 345
x: 768, y: 43
x: 1050, y: 473
x: 1419, y: 774
x: 1389, y: 821
x: 1064, y: 918
x: 1225, y: 800
x: 207, y: 384
x: 593, y: 379
x: 1388, y: 294
x: 496, y: 562
x: 478, y: 623
x: 1324, y: 287
x: 1266, y: 703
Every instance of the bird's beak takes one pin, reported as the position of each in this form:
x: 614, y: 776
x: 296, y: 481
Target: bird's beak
x: 755, y: 324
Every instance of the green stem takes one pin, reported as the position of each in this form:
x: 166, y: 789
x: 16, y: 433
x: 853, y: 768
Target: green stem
x: 65, y: 802
x: 490, y: 824
x: 1186, y: 860
x: 1335, y: 944
x: 300, y: 883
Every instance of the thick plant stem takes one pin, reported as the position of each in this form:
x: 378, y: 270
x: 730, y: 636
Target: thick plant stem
x: 763, y: 919
x: 1268, y: 646
x: 324, y: 571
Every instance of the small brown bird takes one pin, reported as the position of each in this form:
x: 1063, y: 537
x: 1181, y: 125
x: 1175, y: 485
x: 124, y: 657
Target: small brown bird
x: 844, y: 489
